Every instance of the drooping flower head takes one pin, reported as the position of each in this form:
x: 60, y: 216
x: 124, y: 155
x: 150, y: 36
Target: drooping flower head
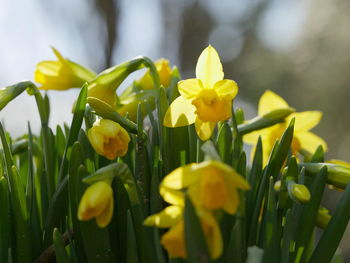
x: 303, y: 139
x: 108, y: 138
x: 97, y: 202
x: 205, y: 100
x: 164, y: 72
x: 61, y: 74
x: 174, y: 239
x: 211, y: 185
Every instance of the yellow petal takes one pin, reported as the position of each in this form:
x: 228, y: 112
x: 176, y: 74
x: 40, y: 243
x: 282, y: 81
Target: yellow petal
x: 180, y: 113
x: 204, y: 129
x: 105, y: 217
x: 172, y: 196
x: 95, y: 200
x: 182, y: 177
x: 209, y: 68
x: 232, y: 202
x: 310, y: 141
x: 190, y: 88
x: 166, y: 218
x: 59, y: 55
x: 270, y: 101
x: 252, y: 137
x: 226, y: 89
x: 174, y: 241
x: 306, y: 120
x: 212, y: 233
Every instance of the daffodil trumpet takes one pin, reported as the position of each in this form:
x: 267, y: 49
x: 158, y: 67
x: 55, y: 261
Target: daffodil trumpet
x: 108, y: 138
x: 97, y: 202
x: 61, y: 74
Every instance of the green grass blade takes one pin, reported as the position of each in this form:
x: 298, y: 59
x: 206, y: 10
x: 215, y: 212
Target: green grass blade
x: 224, y: 143
x: 267, y: 120
x: 60, y: 251
x: 196, y: 245
x: 271, y: 237
x: 309, y: 211
x: 332, y: 235
x: 9, y: 93
x: 5, y: 226
x: 23, y: 250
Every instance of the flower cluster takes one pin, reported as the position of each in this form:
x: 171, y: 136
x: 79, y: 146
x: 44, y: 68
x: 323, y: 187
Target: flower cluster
x: 211, y: 186
x: 166, y: 174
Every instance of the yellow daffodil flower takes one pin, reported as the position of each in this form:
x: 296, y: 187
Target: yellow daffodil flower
x: 164, y: 72
x: 204, y: 100
x: 108, y: 138
x: 97, y: 201
x: 61, y: 74
x: 174, y: 239
x: 211, y: 185
x: 303, y: 139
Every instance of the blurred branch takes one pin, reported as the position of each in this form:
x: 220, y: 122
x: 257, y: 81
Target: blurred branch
x: 110, y: 13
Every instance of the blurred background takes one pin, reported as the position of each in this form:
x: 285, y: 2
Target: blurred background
x: 297, y: 48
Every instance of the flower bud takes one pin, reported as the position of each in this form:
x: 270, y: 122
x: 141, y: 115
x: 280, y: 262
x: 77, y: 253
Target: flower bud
x: 108, y: 138
x: 61, y: 74
x: 338, y: 172
x: 301, y: 193
x: 323, y: 217
x: 97, y: 201
x: 164, y: 72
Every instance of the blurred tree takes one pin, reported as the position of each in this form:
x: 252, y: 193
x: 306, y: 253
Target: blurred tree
x: 109, y: 10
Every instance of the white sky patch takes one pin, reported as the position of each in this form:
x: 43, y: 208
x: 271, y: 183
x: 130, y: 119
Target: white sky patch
x: 282, y: 24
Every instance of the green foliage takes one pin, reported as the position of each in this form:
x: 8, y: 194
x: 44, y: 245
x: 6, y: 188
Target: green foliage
x: 44, y: 176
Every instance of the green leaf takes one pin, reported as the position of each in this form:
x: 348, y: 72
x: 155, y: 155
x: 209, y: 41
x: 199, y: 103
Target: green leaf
x: 23, y: 250
x: 9, y: 93
x: 254, y: 178
x: 309, y: 212
x: 224, y: 143
x: 60, y: 251
x: 271, y: 237
x: 142, y: 169
x: 75, y: 188
x: 131, y: 245
x: 267, y: 120
x: 5, y: 226
x: 162, y: 107
x: 196, y: 245
x: 107, y: 173
x: 235, y: 246
x: 58, y: 202
x: 75, y: 127
x: 332, y: 235
x: 107, y: 112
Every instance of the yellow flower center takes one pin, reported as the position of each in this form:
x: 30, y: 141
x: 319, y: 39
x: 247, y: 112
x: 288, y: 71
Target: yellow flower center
x: 213, y: 191
x: 174, y: 241
x: 210, y: 107
x: 115, y: 146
